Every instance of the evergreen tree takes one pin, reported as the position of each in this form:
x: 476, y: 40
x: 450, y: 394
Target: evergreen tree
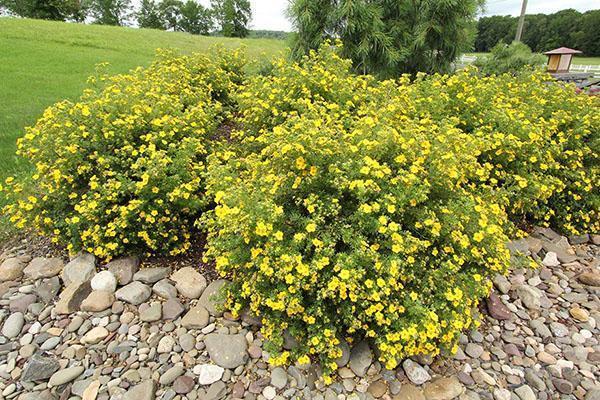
x: 388, y: 37
x: 233, y: 16
x: 195, y: 18
x: 170, y: 14
x: 110, y: 12
x: 148, y: 15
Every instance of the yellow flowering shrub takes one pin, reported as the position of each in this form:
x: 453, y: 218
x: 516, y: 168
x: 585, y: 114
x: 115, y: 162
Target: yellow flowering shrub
x: 541, y: 140
x: 122, y: 169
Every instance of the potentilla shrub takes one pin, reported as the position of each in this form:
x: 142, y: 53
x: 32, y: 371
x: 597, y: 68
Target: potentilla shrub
x: 355, y: 227
x: 541, y: 142
x: 122, y: 169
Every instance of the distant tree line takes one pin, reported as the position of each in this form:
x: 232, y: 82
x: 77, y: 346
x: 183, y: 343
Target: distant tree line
x: 225, y: 17
x: 542, y: 32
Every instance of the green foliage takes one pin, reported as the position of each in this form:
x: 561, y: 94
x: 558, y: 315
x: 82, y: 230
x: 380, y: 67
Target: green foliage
x: 59, y: 10
x: 109, y: 12
x: 170, y: 13
x: 148, y: 16
x: 386, y: 37
x: 511, y: 58
x: 195, y: 18
x: 542, y: 32
x: 122, y: 169
x: 354, y: 207
x: 232, y: 16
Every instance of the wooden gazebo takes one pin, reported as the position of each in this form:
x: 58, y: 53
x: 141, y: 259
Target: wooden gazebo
x: 559, y: 60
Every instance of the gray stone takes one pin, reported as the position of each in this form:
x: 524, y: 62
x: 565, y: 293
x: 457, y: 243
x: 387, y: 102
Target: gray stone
x: 187, y: 342
x: 171, y: 374
x: 417, y: 374
x: 409, y: 392
x: 551, y: 259
x: 72, y: 296
x: 13, y: 325
x: 563, y: 386
x: 65, y: 375
x: 278, y: 378
x: 164, y: 289
x: 345, y: 357
x: 196, y: 318
x: 11, y: 269
x: 134, y: 293
x: 79, y: 269
x: 124, y: 269
x: 184, y: 384
x: 529, y: 296
x: 361, y: 358
x: 525, y: 393
x: 590, y: 278
x: 105, y: 281
x: 172, y: 309
x: 152, y: 313
x: 143, y: 391
x: 41, y: 267
x: 95, y: 335
x: 216, y: 391
x: 227, y: 351
x: 98, y: 301
x: 47, y: 289
x: 151, y: 275
x: 39, y: 368
x: 474, y: 350
x: 496, y: 308
x: 212, y: 298
x: 189, y: 282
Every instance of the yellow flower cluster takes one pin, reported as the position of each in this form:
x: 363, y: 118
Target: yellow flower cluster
x: 122, y: 169
x: 350, y: 207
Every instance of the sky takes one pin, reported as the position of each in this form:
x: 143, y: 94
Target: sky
x: 270, y: 14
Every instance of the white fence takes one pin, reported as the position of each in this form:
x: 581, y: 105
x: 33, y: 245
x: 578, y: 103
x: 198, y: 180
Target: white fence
x: 592, y: 69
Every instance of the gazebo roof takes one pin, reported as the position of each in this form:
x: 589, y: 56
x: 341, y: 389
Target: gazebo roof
x: 562, y: 50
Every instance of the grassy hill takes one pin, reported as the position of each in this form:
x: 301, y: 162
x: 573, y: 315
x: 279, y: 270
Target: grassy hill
x: 42, y: 62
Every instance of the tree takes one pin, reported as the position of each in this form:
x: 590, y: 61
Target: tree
x: 59, y: 10
x: 170, y: 13
x: 587, y: 37
x: 109, y: 12
x: 388, y: 37
x: 148, y: 16
x: 195, y: 18
x: 233, y: 16
x: 509, y: 59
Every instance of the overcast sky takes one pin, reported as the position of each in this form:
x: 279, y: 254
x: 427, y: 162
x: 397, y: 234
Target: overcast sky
x: 270, y: 14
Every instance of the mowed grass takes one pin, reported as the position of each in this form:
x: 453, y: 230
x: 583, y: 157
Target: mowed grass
x: 577, y: 60
x: 42, y: 62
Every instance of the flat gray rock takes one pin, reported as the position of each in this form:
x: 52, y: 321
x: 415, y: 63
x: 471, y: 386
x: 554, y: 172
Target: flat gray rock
x: 212, y: 297
x: 13, y: 325
x: 72, y: 296
x: 41, y: 267
x: 124, y: 269
x: 227, y: 351
x: 152, y: 275
x: 361, y: 358
x: 65, y: 375
x: 39, y: 368
x: 143, y: 391
x: 79, y: 269
x: 189, y: 282
x: 134, y: 293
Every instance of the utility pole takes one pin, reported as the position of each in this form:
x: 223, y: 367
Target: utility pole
x: 521, y: 21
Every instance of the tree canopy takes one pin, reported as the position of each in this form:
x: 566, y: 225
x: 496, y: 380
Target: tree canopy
x: 388, y: 37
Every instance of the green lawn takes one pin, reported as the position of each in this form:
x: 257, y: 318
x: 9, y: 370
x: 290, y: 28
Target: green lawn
x: 43, y: 62
x: 576, y: 61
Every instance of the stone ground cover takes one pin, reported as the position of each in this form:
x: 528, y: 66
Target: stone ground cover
x: 154, y: 330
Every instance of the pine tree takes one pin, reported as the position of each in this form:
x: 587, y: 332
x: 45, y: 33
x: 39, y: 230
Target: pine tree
x: 148, y: 16
x: 233, y: 16
x: 388, y: 37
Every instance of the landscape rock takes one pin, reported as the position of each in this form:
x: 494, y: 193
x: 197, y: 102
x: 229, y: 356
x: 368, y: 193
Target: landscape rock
x: 151, y: 275
x: 124, y: 268
x: 227, y: 351
x: 39, y: 368
x: 189, y: 282
x: 13, y: 325
x: 196, y: 318
x: 212, y: 298
x: 164, y: 289
x: 98, y: 301
x: 417, y: 374
x: 95, y: 335
x: 361, y: 358
x: 409, y: 392
x: 79, y: 269
x: 134, y: 293
x: 551, y: 259
x: 12, y: 269
x: 152, y: 313
x: 172, y: 309
x: 279, y: 378
x: 443, y: 389
x: 496, y: 308
x: 65, y: 375
x: 41, y: 267
x: 104, y: 281
x: 183, y: 384
x: 72, y: 296
x: 208, y: 373
x: 590, y: 278
x: 143, y: 391
x: 529, y: 297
